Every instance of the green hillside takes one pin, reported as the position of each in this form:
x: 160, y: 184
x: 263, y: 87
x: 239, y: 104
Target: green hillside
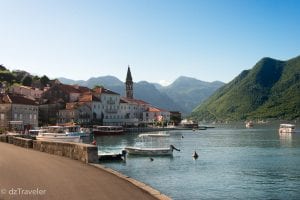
x: 271, y: 89
x: 8, y: 78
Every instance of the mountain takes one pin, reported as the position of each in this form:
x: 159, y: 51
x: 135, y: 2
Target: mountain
x: 190, y: 92
x: 182, y: 95
x: 271, y: 89
x: 148, y: 92
x: 142, y: 90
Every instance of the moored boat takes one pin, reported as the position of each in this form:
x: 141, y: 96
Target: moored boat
x: 287, y: 128
x: 59, y: 134
x: 107, y: 130
x: 150, y: 151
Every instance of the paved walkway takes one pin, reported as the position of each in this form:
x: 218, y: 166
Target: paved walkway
x: 29, y: 174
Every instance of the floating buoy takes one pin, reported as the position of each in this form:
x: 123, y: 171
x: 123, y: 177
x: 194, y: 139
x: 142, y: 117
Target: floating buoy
x: 151, y: 159
x: 195, y: 155
x: 182, y: 137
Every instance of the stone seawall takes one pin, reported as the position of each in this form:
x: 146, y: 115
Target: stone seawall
x: 78, y: 151
x: 84, y: 152
x: 22, y: 142
x: 3, y: 138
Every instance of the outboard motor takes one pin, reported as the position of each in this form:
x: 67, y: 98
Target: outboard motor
x: 174, y: 148
x: 124, y: 152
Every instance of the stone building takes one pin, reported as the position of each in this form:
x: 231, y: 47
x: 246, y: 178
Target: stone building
x: 15, y: 107
x: 55, y: 99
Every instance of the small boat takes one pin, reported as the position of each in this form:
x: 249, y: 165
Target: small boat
x: 149, y: 151
x: 108, y: 130
x: 249, y: 124
x: 287, y: 128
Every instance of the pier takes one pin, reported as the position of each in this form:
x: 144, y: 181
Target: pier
x: 28, y: 173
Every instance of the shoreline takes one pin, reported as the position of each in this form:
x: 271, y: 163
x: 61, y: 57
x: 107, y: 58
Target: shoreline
x: 147, y: 188
x: 50, y: 158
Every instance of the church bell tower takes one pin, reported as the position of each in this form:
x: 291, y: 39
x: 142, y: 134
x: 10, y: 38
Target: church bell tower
x: 129, y: 84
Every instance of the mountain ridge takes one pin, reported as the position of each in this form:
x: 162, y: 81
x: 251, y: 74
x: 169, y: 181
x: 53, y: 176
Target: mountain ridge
x: 167, y: 97
x: 257, y: 93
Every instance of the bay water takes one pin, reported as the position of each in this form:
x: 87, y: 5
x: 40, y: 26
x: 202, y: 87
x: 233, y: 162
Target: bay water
x: 234, y: 163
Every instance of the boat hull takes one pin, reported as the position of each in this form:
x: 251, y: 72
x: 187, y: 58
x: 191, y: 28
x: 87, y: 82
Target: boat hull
x: 98, y: 133
x: 59, y: 138
x: 149, y: 151
x: 108, y: 130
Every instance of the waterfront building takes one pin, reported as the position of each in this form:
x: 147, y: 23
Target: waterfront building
x: 87, y: 109
x: 56, y: 98
x: 132, y: 110
x: 75, y: 112
x: 14, y: 107
x: 154, y: 114
x: 110, y: 102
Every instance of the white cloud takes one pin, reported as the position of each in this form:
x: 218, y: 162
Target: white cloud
x: 164, y: 82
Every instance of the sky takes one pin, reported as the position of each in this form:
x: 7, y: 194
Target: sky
x: 159, y: 39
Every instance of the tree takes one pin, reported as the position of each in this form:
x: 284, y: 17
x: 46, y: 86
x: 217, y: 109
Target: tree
x: 27, y: 81
x: 2, y: 68
x: 45, y: 80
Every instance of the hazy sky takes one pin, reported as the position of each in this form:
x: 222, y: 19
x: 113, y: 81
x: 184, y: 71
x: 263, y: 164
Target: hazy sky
x: 160, y: 39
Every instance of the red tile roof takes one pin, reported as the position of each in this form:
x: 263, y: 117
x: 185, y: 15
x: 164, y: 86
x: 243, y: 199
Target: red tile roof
x: 72, y: 88
x: 88, y: 98
x: 137, y: 101
x: 102, y: 90
x: 17, y: 99
x: 154, y: 109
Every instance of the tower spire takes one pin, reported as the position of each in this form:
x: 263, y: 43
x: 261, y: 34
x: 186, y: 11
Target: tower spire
x: 129, y: 84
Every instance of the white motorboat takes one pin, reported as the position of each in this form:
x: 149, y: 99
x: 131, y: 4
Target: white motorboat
x: 287, y: 128
x: 58, y: 134
x: 149, y: 151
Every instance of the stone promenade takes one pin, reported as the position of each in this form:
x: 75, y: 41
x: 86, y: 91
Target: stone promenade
x: 29, y: 174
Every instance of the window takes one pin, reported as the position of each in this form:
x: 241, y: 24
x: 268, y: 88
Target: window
x: 2, y: 116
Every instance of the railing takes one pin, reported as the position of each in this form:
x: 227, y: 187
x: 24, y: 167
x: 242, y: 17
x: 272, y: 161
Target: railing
x: 111, y: 102
x: 111, y: 110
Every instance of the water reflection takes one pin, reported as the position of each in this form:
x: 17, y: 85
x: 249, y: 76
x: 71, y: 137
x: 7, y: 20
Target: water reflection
x: 286, y: 139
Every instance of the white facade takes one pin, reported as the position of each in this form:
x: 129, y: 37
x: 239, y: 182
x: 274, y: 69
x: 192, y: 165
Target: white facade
x: 110, y: 107
x: 156, y: 115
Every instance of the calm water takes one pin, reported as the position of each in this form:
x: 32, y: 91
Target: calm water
x: 233, y: 163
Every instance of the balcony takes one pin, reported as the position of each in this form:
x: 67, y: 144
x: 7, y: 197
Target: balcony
x: 111, y: 102
x: 111, y: 110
